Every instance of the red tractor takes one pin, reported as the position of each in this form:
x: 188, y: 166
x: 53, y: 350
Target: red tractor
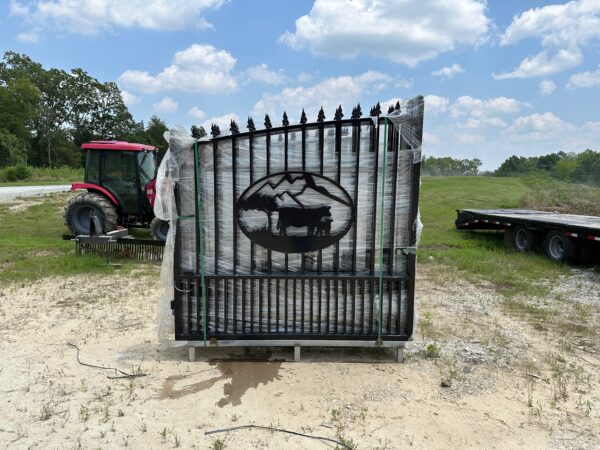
x: 119, y: 181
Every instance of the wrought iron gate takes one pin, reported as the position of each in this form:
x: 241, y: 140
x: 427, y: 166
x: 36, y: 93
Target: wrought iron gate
x: 301, y: 231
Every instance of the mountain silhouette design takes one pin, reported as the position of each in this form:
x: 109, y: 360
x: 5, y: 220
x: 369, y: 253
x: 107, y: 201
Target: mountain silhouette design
x: 269, y: 189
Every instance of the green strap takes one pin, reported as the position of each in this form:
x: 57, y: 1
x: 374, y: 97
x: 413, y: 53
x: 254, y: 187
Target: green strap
x: 200, y: 260
x: 381, y: 230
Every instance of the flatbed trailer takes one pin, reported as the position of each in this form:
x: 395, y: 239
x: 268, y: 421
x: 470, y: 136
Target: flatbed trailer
x: 563, y: 237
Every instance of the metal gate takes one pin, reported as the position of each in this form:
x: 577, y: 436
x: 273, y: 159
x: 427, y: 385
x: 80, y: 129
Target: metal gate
x: 303, y: 231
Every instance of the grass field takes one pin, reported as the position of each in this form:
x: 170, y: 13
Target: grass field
x: 477, y: 254
x: 43, y: 175
x: 31, y: 245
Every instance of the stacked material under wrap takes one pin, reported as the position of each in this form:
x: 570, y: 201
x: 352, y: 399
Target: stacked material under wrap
x: 294, y: 240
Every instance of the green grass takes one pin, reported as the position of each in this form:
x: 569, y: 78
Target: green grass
x: 44, y: 175
x: 31, y: 244
x: 479, y: 255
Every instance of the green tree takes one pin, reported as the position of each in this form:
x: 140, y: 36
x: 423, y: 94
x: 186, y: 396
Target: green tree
x: 12, y: 149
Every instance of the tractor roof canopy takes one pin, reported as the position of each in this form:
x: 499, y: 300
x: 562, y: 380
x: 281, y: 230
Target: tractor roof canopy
x: 117, y: 145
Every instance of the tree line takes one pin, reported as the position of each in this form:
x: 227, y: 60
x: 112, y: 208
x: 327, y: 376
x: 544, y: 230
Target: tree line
x: 46, y: 114
x: 447, y: 166
x: 581, y: 167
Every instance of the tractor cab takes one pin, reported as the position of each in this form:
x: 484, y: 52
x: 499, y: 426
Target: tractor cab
x: 119, y: 180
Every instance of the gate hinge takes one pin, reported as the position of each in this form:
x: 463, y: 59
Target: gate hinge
x: 172, y: 304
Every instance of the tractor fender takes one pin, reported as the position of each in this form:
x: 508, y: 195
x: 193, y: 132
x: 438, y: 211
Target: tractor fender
x: 94, y: 187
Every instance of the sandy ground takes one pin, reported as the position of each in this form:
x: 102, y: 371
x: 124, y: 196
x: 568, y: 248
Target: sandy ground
x: 506, y: 386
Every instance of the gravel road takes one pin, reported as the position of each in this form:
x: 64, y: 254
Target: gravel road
x: 10, y: 193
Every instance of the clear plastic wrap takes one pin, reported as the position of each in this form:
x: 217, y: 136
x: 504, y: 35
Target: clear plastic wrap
x: 243, y: 197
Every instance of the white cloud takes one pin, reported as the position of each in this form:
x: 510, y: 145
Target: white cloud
x: 30, y: 37
x: 571, y: 24
x: 223, y: 122
x: 448, y: 72
x: 329, y: 93
x: 435, y: 104
x: 403, y: 31
x: 198, y: 68
x: 561, y: 29
x: 92, y: 17
x: 263, y: 74
x: 129, y: 99
x: 542, y: 65
x: 18, y: 9
x: 478, y: 108
x: 536, y: 128
x: 166, y: 105
x: 547, y: 87
x: 584, y: 79
x: 197, y: 113
x: 466, y: 138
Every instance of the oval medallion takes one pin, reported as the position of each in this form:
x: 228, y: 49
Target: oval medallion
x: 295, y: 212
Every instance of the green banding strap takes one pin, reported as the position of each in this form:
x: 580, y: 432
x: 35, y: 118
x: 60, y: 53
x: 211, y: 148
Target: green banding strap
x: 381, y: 231
x: 200, y: 260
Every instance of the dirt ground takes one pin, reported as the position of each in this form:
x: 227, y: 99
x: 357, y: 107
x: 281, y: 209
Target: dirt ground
x: 512, y: 378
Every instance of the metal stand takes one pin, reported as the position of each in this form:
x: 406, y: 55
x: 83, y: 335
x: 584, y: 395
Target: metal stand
x: 398, y: 346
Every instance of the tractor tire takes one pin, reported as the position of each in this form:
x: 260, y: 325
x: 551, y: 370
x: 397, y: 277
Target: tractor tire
x: 159, y: 229
x: 79, y: 209
x: 523, y: 239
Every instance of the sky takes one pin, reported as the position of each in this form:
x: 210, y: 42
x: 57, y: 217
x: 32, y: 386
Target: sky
x: 500, y: 77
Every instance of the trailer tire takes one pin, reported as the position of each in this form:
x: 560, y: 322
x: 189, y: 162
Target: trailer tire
x: 523, y: 239
x: 79, y: 209
x: 558, y: 247
x: 159, y: 229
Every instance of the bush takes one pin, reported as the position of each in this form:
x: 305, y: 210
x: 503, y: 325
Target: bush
x: 15, y: 173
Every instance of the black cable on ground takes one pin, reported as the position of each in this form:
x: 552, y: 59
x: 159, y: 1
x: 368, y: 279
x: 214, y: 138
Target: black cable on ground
x: 117, y: 371
x: 241, y: 427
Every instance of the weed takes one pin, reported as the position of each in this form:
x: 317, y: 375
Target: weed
x: 47, y: 410
x: 176, y: 440
x: 84, y: 413
x: 163, y: 434
x: 348, y: 443
x: 426, y: 325
x: 218, y: 444
x: 143, y: 428
x: 432, y: 350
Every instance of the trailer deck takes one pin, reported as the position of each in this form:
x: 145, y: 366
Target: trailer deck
x: 570, y: 237
x: 497, y: 219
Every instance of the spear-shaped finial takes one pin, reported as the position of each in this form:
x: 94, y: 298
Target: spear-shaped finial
x: 303, y: 119
x: 233, y: 127
x: 268, y: 122
x: 321, y: 116
x: 375, y: 110
x: 338, y: 113
x: 356, y: 112
x: 250, y: 124
x: 214, y: 130
x: 397, y: 108
x: 285, y: 121
x: 391, y: 109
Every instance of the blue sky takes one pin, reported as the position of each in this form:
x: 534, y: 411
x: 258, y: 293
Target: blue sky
x: 500, y: 77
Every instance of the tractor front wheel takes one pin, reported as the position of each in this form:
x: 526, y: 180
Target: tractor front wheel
x: 159, y: 229
x: 81, y: 208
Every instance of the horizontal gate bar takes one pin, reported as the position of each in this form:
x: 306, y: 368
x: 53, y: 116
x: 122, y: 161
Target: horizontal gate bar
x: 283, y: 276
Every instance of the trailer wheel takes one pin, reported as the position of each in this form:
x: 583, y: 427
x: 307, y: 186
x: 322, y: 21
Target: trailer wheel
x: 523, y: 239
x: 159, y: 229
x: 559, y: 247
